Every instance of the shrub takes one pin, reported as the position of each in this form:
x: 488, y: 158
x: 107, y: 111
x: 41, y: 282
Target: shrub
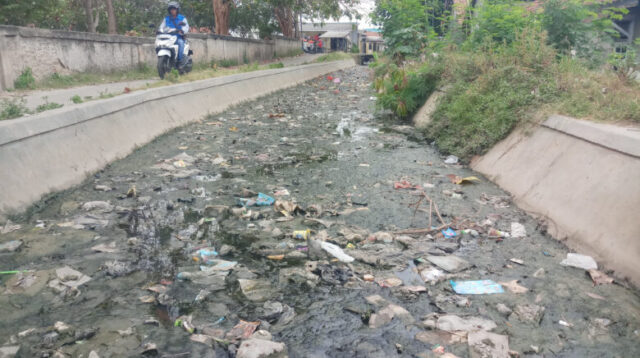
x: 48, y: 106
x: 76, y: 99
x: 228, y: 63
x: 57, y: 80
x: 172, y: 76
x: 580, y: 26
x: 10, y: 109
x: 404, y: 90
x: 25, y: 80
x: 500, y: 21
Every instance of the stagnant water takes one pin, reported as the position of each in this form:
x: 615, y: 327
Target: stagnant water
x: 324, y: 144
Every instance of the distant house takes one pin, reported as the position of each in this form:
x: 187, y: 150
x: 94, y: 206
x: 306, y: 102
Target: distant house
x: 337, y: 36
x: 629, y: 26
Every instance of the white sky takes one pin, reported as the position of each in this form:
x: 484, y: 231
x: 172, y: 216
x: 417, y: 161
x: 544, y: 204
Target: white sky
x: 365, y: 8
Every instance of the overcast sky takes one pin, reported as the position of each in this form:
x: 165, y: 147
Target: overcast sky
x: 365, y: 8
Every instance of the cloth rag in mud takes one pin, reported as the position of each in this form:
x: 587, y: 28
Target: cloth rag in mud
x: 476, y: 287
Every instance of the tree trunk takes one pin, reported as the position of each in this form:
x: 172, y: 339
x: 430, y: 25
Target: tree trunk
x: 92, y: 23
x: 285, y: 19
x: 221, y: 9
x: 111, y: 17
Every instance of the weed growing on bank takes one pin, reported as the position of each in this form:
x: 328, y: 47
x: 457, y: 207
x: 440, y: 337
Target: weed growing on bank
x: 10, y: 109
x: 500, y: 77
x: 25, y: 80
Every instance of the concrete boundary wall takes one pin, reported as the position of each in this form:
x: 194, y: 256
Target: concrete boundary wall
x: 57, y: 149
x: 49, y: 51
x: 583, y: 179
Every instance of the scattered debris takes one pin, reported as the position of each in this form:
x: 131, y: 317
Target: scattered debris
x: 476, y: 287
x: 452, y: 159
x: 599, y: 278
x: 580, y: 261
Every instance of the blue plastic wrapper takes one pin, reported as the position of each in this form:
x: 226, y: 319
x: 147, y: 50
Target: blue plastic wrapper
x: 448, y: 233
x: 261, y: 200
x: 476, y: 287
x: 264, y: 200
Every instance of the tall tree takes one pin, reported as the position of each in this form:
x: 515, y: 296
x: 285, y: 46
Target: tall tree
x: 285, y: 18
x: 111, y: 18
x: 284, y: 11
x: 92, y: 21
x: 221, y: 10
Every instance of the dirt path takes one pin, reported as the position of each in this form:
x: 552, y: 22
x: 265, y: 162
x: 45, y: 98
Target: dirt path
x: 144, y: 230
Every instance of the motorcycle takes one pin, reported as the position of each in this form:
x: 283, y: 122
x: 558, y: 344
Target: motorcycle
x: 167, y: 51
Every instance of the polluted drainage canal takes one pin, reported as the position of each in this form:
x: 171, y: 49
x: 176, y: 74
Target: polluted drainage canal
x: 300, y: 224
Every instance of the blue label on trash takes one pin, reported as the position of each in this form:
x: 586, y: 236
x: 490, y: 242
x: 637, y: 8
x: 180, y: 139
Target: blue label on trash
x: 448, y: 233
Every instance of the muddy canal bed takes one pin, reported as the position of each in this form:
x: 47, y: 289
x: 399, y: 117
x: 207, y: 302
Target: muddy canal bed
x: 174, y: 252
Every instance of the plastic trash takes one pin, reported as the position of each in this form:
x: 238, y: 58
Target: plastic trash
x: 336, y: 252
x: 498, y: 234
x: 580, y: 261
x: 261, y: 200
x: 403, y: 184
x: 10, y: 246
x: 448, y: 233
x: 218, y: 265
x: 476, y: 287
x: 302, y: 234
x: 205, y: 254
x: 336, y: 80
x: 14, y: 272
x: 461, y: 181
x: 518, y: 230
x: 452, y: 159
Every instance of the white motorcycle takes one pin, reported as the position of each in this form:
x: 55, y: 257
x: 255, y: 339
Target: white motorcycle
x: 167, y: 50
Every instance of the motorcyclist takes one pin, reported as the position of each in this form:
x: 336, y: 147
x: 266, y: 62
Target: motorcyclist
x: 175, y: 20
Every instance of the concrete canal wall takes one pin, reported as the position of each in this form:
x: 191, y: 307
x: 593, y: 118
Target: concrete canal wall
x: 64, y: 52
x: 57, y: 149
x: 583, y: 178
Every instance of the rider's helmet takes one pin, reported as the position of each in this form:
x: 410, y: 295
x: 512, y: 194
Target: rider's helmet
x: 173, y: 5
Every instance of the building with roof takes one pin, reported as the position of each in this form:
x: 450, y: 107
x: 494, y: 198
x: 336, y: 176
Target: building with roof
x: 336, y: 36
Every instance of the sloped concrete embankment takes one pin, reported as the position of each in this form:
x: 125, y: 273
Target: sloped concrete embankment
x: 57, y: 149
x: 583, y: 178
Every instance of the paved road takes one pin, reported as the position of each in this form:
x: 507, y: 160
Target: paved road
x: 63, y: 96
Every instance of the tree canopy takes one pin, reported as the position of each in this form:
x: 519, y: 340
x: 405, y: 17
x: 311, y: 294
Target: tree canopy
x: 140, y: 17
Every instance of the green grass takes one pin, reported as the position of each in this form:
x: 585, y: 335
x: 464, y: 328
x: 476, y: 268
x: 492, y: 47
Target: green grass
x: 228, y: 63
x: 495, y: 89
x: 276, y: 65
x: 25, y: 81
x: 57, y: 80
x: 290, y: 53
x: 10, y: 109
x: 48, y: 106
x: 76, y: 99
x: 334, y: 56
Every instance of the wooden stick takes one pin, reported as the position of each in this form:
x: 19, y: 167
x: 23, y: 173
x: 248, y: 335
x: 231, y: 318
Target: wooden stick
x: 419, y: 231
x: 435, y: 206
x: 430, y: 212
